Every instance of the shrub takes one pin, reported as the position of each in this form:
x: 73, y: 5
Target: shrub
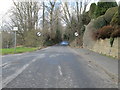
x: 105, y: 32
x: 119, y: 14
x: 85, y: 18
x: 100, y: 22
x: 105, y: 19
x: 115, y: 19
x: 102, y: 7
x: 31, y: 39
x: 116, y: 33
x: 110, y: 13
x: 7, y: 39
x: 111, y: 41
x: 92, y: 10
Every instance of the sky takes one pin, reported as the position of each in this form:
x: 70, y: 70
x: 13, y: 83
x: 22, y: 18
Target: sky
x: 6, y: 4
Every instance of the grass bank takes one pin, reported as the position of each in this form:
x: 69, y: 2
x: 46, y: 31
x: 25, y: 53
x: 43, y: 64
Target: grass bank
x: 18, y: 50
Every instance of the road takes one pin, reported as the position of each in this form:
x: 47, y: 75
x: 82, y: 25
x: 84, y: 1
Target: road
x: 52, y: 67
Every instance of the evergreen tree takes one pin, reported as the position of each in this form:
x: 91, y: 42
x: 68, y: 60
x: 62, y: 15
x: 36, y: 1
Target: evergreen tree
x: 102, y: 7
x: 119, y: 14
x: 92, y: 10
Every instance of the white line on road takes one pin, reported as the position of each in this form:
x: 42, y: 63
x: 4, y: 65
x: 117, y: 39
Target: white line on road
x: 91, y: 66
x: 10, y: 78
x: 59, y: 68
x: 2, y: 56
x: 5, y: 64
x: 8, y: 63
x: 12, y: 55
x: 55, y: 55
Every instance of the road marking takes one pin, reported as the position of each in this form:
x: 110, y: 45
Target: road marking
x: 10, y: 78
x: 2, y: 56
x: 5, y: 64
x: 91, y: 66
x: 54, y: 55
x: 59, y: 68
x: 12, y: 55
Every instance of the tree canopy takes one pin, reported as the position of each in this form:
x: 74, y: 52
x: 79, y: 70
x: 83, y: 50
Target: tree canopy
x: 102, y: 7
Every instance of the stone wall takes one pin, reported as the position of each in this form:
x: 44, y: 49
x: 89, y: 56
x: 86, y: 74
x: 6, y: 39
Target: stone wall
x: 104, y: 47
x: 100, y: 46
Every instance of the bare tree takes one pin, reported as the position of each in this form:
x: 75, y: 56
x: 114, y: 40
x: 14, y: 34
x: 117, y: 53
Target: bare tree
x: 43, y: 15
x: 67, y: 16
x: 81, y: 11
x: 25, y: 17
x: 51, y: 11
x: 75, y: 20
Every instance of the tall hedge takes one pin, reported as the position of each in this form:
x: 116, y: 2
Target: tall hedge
x: 92, y: 10
x: 119, y: 14
x: 110, y: 14
x: 102, y: 7
x: 100, y: 22
x: 115, y: 19
x: 105, y: 32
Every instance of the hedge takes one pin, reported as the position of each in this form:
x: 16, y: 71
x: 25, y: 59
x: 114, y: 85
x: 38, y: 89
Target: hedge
x: 105, y: 32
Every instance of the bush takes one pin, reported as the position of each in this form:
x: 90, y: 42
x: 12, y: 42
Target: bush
x: 85, y: 18
x: 92, y: 10
x: 105, y: 19
x: 116, y: 33
x: 31, y: 39
x: 111, y: 41
x: 105, y: 32
x: 115, y: 19
x: 7, y: 39
x: 100, y: 22
x: 110, y: 13
x: 119, y: 14
x: 102, y: 7
x: 49, y: 43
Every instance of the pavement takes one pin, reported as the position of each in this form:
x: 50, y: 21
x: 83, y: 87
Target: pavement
x: 59, y: 67
x: 108, y: 64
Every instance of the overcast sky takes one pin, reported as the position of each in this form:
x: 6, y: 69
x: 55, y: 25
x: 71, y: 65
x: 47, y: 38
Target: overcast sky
x: 6, y: 4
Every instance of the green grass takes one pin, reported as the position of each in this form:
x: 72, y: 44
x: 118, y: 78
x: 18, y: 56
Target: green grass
x: 18, y: 50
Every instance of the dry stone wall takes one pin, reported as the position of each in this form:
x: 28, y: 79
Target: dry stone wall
x: 104, y: 47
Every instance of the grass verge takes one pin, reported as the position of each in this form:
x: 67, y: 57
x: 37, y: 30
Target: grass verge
x: 18, y: 50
